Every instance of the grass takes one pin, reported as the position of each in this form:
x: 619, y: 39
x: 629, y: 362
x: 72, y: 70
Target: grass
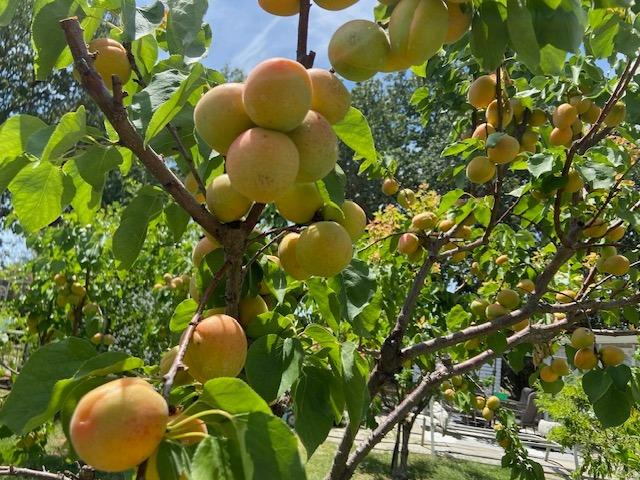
x: 421, y: 467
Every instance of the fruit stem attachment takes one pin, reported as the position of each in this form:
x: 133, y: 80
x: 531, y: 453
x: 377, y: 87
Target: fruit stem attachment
x: 204, y: 413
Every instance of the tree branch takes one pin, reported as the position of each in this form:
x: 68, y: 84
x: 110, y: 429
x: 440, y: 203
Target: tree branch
x: 11, y: 471
x: 302, y: 56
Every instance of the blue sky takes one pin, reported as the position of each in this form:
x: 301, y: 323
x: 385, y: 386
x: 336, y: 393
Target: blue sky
x: 244, y: 34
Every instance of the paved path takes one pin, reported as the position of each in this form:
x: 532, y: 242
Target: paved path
x: 558, y: 466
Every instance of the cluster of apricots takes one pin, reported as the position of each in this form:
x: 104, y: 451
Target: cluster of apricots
x: 502, y: 148
x: 416, y: 30
x: 487, y: 406
x: 276, y: 133
x: 119, y: 424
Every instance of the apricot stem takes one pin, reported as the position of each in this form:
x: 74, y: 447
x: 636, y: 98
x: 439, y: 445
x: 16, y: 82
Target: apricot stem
x: 173, y: 425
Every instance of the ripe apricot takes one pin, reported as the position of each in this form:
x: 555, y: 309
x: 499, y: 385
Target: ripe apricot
x: 502, y: 259
x: 530, y: 138
x: 358, y: 50
x: 282, y: 8
x: 300, y: 202
x: 495, y: 310
x: 111, y: 59
x: 288, y: 257
x: 548, y: 375
x: 611, y: 355
x: 615, y: 233
x: 585, y: 359
x: 324, y: 249
x: 615, y: 265
x: 482, y: 91
x: 479, y: 402
x: 262, y: 164
x: 355, y: 220
x: 250, y: 308
x: 334, y: 4
x: 219, y: 116
x: 564, y: 115
x: 408, y: 243
x: 480, y: 170
x: 329, y: 97
x: 493, y: 117
x: 597, y: 229
x: 226, y: 203
x: 460, y: 16
x: 317, y: 146
x: 508, y: 298
x: 526, y: 285
x: 521, y: 325
x: 417, y: 30
x: 390, y: 186
x: 505, y: 150
x: 446, y: 224
x: 424, y: 221
x: 449, y: 394
x: 616, y: 115
x: 560, y: 136
x: 582, y: 338
x: 483, y: 130
x: 277, y: 94
x: 487, y: 414
x: 218, y: 348
x: 493, y: 402
x: 582, y: 104
x: 118, y: 425
x: 574, y: 182
x: 560, y: 366
x: 204, y: 246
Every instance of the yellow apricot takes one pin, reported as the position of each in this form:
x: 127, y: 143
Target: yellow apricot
x: 417, y: 30
x: 582, y: 338
x: 358, y: 50
x: 334, y: 4
x: 226, y: 203
x: 205, y: 246
x: 564, y: 115
x: 329, y: 97
x: 262, y: 164
x: 611, y: 355
x: 390, y: 186
x: 460, y: 16
x: 560, y: 366
x: 408, y: 243
x: 505, y: 150
x: 446, y: 224
x: 288, y: 257
x: 574, y: 182
x: 324, y: 249
x: 526, y: 285
x: 597, y: 229
x: 483, y: 130
x: 317, y: 146
x: 111, y: 59
x: 424, y: 221
x: 585, y: 359
x: 547, y: 374
x: 615, y: 233
x: 492, y: 114
x: 508, y: 298
x: 537, y: 118
x: 502, y: 259
x: 449, y: 394
x: 478, y: 307
x: 250, y: 308
x: 615, y: 265
x: 566, y: 296
x: 616, y: 115
x: 482, y: 91
x: 582, y: 104
x: 480, y: 170
x: 218, y: 348
x: 560, y: 136
x: 282, y: 8
x: 493, y: 402
x: 118, y: 425
x: 220, y: 116
x: 495, y: 310
x: 300, y: 202
x: 479, y: 402
x: 355, y: 220
x: 277, y: 94
x: 487, y: 414
x: 592, y: 115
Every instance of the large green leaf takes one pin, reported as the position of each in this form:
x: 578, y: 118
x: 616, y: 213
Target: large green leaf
x: 522, y: 34
x: 40, y: 192
x: 596, y: 383
x: 356, y: 134
x: 185, y: 32
x: 212, y: 461
x: 176, y: 219
x: 613, y: 407
x: 356, y: 285
x: 539, y: 164
x: 132, y: 231
x: 15, y: 133
x: 69, y: 130
x: 159, y: 91
x: 183, y: 314
x: 312, y: 407
x: 273, y: 364
x: 140, y: 21
x: 489, y: 35
x: 355, y: 372
x: 232, y: 395
x: 9, y: 168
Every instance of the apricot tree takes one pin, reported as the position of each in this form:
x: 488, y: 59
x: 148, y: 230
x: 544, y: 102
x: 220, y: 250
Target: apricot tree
x: 292, y: 304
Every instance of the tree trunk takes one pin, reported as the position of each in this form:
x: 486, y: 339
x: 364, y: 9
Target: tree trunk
x: 396, y: 449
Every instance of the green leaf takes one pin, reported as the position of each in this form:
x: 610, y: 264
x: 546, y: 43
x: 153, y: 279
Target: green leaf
x: 182, y: 315
x: 312, y: 408
x: 140, y: 21
x: 449, y: 199
x: 327, y: 342
x: 489, y: 35
x: 132, y: 231
x: 15, y: 133
x: 620, y: 375
x: 603, y: 34
x: 48, y: 38
x: 273, y: 364
x: 497, y: 342
x: 457, y: 318
x: 172, y: 461
x: 357, y: 284
x: 9, y: 168
x: 40, y: 192
x: 159, y: 91
x: 185, y: 33
x: 355, y: 133
x: 69, y: 130
x: 561, y: 27
x: 177, y: 220
x: 596, y: 383
x: 612, y: 408
x: 355, y: 372
x: 232, y: 395
x: 522, y: 34
x: 7, y: 11
x: 539, y: 164
x: 327, y: 302
x: 169, y: 109
x: 212, y: 460
x: 552, y: 60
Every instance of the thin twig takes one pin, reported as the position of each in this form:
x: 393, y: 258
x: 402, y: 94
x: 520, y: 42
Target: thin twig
x: 11, y: 471
x: 304, y: 57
